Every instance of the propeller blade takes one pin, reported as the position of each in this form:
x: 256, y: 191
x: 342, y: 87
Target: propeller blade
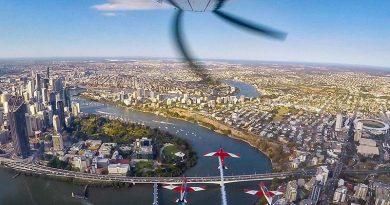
x: 220, y: 4
x: 183, y: 49
x: 260, y: 29
x: 174, y: 4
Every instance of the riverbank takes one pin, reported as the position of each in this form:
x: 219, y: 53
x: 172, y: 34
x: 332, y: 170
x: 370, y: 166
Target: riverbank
x: 272, y: 150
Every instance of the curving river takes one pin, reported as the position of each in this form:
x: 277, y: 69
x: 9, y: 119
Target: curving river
x: 32, y: 190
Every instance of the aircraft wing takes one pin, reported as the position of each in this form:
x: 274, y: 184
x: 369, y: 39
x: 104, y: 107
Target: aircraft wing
x: 254, y: 192
x: 276, y: 193
x: 194, y: 188
x: 172, y: 187
x: 233, y: 155
x: 211, y: 154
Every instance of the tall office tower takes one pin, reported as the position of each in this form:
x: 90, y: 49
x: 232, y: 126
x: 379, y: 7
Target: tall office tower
x: 58, y: 143
x: 291, y: 191
x: 61, y: 113
x: 44, y: 116
x: 52, y: 100
x: 38, y: 82
x: 45, y: 95
x: 67, y: 98
x: 45, y: 83
x: 59, y: 88
x: 339, y: 123
x: 57, y: 124
x: 316, y: 191
x: 48, y: 72
x: 29, y: 127
x: 17, y: 122
x: 30, y: 88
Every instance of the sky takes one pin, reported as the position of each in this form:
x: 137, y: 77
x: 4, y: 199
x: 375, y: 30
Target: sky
x: 322, y: 31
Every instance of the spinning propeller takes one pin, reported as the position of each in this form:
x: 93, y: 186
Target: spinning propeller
x: 215, y: 7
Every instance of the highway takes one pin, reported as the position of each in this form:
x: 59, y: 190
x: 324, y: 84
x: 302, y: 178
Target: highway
x: 36, y: 168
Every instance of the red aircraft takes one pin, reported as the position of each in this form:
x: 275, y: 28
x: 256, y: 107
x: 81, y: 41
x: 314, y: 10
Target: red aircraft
x: 221, y: 155
x: 263, y: 192
x: 183, y: 190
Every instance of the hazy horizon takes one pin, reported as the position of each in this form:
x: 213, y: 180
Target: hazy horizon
x: 333, y: 32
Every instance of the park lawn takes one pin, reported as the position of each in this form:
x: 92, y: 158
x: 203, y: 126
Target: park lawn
x: 169, y: 152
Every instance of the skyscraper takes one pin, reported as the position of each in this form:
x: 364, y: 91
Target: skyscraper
x: 67, y: 98
x: 38, y: 83
x: 52, y: 100
x: 56, y: 123
x: 61, y: 113
x: 48, y: 72
x: 17, y: 121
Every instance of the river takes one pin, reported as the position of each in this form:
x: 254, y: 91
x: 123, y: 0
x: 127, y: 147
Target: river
x: 245, y: 89
x: 33, y: 190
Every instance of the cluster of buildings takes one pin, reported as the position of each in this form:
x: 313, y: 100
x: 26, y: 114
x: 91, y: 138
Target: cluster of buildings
x: 311, y: 192
x: 96, y: 157
x: 33, y: 106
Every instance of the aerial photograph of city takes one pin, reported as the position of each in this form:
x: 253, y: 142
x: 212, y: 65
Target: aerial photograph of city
x: 204, y: 102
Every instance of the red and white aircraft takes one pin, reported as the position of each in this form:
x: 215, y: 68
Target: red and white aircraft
x: 221, y: 155
x: 183, y: 190
x: 263, y: 192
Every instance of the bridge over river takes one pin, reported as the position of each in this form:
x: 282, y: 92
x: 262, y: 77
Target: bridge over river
x: 35, y: 168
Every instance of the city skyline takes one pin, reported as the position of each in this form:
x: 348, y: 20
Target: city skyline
x: 326, y: 32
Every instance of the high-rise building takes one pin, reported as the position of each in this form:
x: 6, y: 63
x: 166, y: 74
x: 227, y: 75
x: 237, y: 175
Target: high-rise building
x: 61, y: 113
x: 67, y: 99
x: 17, y: 122
x: 59, y: 88
x: 52, y: 100
x: 45, y: 95
x: 58, y: 143
x: 29, y: 127
x: 57, y: 124
x: 38, y: 82
x: 339, y: 122
x: 48, y: 72
x: 30, y: 89
x: 291, y: 191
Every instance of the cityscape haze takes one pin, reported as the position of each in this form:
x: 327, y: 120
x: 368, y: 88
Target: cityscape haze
x: 96, y: 107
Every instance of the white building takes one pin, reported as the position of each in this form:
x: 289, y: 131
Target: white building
x: 322, y: 174
x: 340, y: 194
x: 118, y: 169
x: 339, y: 122
x: 56, y: 123
x: 291, y: 191
x: 361, y: 191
